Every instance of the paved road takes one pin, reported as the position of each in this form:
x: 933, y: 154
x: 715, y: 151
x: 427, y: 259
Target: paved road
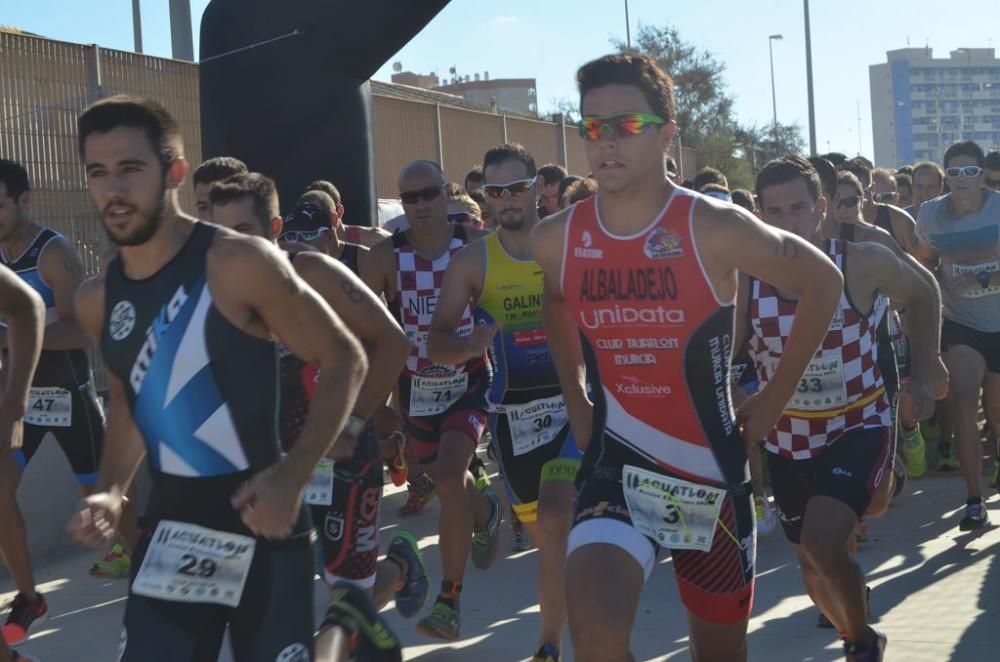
x: 936, y: 593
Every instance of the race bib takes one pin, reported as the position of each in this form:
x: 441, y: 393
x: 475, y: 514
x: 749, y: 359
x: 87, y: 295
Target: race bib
x: 674, y: 512
x: 50, y: 407
x: 822, y: 385
x: 430, y: 396
x: 977, y: 291
x: 536, y: 423
x: 189, y: 563
x: 319, y: 491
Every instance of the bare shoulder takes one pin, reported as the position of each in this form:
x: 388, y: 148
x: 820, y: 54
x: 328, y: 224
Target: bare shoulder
x: 88, y: 302
x: 311, y: 264
x: 232, y: 248
x: 871, y: 256
x: 874, y: 235
x: 59, y: 248
x: 551, y: 228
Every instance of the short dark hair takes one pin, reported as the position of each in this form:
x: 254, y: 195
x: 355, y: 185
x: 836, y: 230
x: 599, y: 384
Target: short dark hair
x: 640, y: 71
x: 929, y: 164
x: 884, y: 173
x: 326, y: 187
x: 550, y: 172
x: 743, y: 198
x: 709, y: 175
x: 846, y: 177
x: 904, y: 170
x: 836, y: 158
x: 14, y: 178
x: 579, y: 190
x: 787, y: 169
x: 858, y: 168
x: 218, y: 168
x: 992, y: 159
x: 479, y: 198
x: 566, y: 182
x: 318, y: 198
x: 903, y: 180
x: 260, y: 188
x: 827, y: 175
x: 672, y: 165
x: 509, y: 152
x: 122, y: 110
x: 475, y: 174
x: 965, y: 148
x: 864, y: 160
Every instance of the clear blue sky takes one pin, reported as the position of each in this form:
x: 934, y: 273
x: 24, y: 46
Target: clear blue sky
x: 549, y: 40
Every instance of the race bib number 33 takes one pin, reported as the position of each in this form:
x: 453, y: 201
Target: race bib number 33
x: 190, y: 563
x: 675, y: 513
x: 430, y: 396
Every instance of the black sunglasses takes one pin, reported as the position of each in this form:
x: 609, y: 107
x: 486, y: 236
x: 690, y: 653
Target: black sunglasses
x: 427, y: 194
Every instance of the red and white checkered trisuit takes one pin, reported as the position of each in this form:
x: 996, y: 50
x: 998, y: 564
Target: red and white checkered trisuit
x: 824, y: 408
x: 418, y: 282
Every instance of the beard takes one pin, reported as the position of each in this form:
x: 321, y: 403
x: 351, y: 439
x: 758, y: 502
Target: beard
x: 147, y: 226
x: 511, y: 221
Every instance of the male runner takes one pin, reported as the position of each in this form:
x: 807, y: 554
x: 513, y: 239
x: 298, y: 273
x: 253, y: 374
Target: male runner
x: 206, y: 175
x: 345, y: 497
x: 991, y: 178
x: 832, y: 447
x: 444, y: 404
x: 24, y: 313
x: 63, y: 398
x: 354, y: 234
x: 645, y: 272
x: 962, y: 229
x: 186, y: 314
x: 528, y: 424
x: 928, y: 183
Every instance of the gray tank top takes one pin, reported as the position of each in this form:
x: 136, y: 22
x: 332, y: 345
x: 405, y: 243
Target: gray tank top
x: 967, y: 245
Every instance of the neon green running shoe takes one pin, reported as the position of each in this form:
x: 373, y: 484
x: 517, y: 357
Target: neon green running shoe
x: 914, y: 452
x: 946, y: 461
x: 115, y: 565
x: 443, y: 622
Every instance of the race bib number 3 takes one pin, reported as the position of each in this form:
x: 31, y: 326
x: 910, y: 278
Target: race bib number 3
x: 430, y: 396
x: 674, y: 512
x: 50, y: 407
x: 189, y: 563
x: 535, y: 424
x: 319, y: 491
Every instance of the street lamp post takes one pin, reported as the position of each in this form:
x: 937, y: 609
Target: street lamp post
x: 628, y: 29
x: 774, y: 98
x: 809, y: 81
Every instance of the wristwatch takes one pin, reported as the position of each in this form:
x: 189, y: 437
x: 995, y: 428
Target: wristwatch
x: 984, y: 278
x: 354, y: 426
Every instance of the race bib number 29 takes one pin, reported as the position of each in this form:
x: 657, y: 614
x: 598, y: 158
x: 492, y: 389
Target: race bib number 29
x: 190, y: 563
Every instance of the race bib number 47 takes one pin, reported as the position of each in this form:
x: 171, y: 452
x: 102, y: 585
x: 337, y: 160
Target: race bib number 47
x: 430, y: 396
x: 675, y: 513
x: 50, y: 407
x: 189, y: 563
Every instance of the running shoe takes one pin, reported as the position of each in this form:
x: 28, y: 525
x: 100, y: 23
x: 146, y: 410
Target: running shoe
x: 976, y: 516
x: 371, y: 638
x: 766, y: 519
x: 823, y: 622
x: 914, y: 452
x: 397, y: 463
x: 946, y: 461
x: 930, y: 430
x: 874, y: 652
x: 479, y: 470
x: 520, y: 541
x: 24, y: 617
x: 411, y: 592
x: 546, y: 653
x: 443, y: 622
x: 486, y: 540
x: 419, y: 493
x: 115, y: 565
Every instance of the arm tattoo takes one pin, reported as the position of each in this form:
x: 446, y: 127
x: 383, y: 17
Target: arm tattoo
x: 787, y: 248
x: 353, y: 293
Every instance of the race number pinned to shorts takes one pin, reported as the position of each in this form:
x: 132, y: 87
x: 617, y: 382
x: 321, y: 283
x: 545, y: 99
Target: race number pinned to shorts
x: 535, y: 424
x: 676, y: 513
x: 430, y: 396
x: 189, y: 563
x: 319, y: 491
x: 50, y: 407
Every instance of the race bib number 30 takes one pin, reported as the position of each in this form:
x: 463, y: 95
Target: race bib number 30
x: 189, y: 563
x: 430, y: 396
x: 319, y: 491
x: 674, y: 512
x: 535, y: 424
x: 50, y: 407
